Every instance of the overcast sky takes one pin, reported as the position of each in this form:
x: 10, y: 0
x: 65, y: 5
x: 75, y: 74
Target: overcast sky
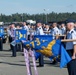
x: 36, y: 6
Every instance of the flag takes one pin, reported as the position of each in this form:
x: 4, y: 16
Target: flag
x: 13, y: 43
x: 1, y: 32
x: 20, y: 36
x: 65, y: 58
x: 51, y: 48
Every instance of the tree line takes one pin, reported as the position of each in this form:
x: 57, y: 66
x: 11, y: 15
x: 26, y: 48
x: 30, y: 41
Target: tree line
x: 50, y: 17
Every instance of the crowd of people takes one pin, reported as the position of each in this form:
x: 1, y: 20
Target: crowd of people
x: 67, y: 28
x: 46, y: 29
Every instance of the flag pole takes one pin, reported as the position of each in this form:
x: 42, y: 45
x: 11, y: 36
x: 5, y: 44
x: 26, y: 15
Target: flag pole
x: 68, y: 40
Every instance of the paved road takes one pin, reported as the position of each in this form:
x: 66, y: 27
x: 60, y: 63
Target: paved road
x: 16, y: 65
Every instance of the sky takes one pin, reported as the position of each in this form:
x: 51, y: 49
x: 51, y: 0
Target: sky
x: 9, y: 7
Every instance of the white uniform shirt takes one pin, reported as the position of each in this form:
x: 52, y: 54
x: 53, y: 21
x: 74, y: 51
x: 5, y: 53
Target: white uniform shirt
x: 46, y: 29
x: 55, y: 31
x: 71, y: 35
x: 63, y: 30
x: 39, y: 31
x: 9, y: 32
x: 25, y: 27
x: 13, y: 32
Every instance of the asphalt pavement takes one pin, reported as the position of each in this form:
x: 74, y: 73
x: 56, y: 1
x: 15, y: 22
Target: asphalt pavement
x: 16, y: 65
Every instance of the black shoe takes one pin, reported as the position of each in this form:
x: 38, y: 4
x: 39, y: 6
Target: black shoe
x: 22, y: 54
x: 10, y: 49
x: 40, y: 66
x: 13, y: 56
x: 54, y: 62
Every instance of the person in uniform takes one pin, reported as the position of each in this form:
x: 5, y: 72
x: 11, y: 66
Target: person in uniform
x: 29, y: 31
x: 9, y: 33
x: 13, y: 48
x: 63, y: 32
x: 55, y: 30
x: 25, y: 27
x: 71, y: 47
x: 39, y: 31
x: 46, y: 29
x: 12, y: 34
x: 63, y: 29
x: 18, y: 45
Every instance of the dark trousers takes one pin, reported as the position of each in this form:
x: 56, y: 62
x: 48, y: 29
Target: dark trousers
x: 41, y: 61
x: 10, y: 40
x: 28, y: 37
x: 13, y: 48
x: 71, y: 66
x: 18, y: 47
x: 1, y: 44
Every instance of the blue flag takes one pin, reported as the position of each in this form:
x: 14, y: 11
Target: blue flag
x: 51, y: 48
x: 20, y: 34
x: 65, y: 58
x: 1, y: 32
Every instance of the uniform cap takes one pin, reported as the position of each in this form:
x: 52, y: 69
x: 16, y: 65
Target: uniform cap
x: 70, y: 20
x: 46, y: 23
x: 54, y: 22
x: 38, y: 21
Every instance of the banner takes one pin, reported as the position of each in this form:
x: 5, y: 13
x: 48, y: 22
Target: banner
x: 21, y: 34
x: 51, y: 48
x: 1, y: 32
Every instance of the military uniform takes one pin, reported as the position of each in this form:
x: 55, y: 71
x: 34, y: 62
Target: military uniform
x: 13, y: 48
x: 55, y: 31
x: 70, y: 47
x: 63, y: 30
x: 25, y: 28
x: 39, y: 31
x: 9, y: 35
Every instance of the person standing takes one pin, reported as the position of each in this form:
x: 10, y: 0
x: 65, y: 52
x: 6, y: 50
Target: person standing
x: 47, y: 29
x: 63, y: 29
x: 71, y: 47
x: 25, y: 27
x: 12, y: 33
x: 55, y: 30
x: 39, y: 31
